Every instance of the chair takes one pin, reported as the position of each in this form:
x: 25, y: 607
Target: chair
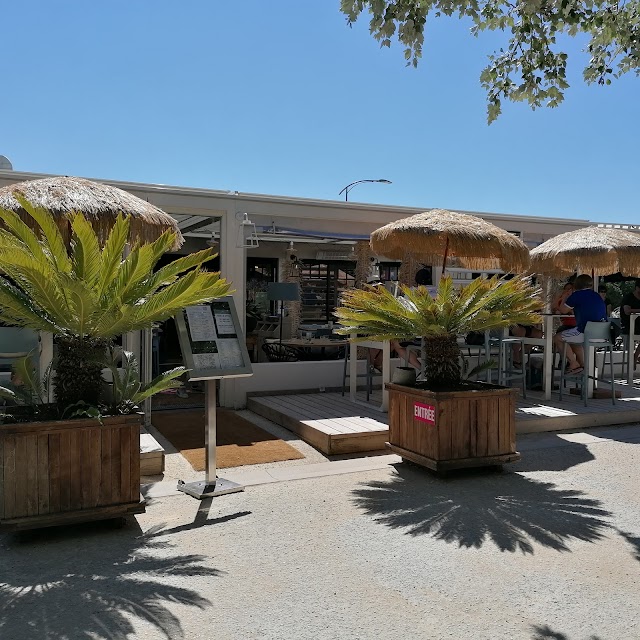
x: 277, y: 352
x: 369, y: 374
x: 626, y: 337
x: 507, y: 371
x: 597, y: 335
x: 418, y: 350
x: 483, y: 349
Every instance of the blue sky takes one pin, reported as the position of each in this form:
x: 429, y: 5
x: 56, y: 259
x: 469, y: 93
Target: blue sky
x: 281, y: 97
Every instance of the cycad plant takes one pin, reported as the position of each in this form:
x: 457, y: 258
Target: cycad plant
x: 482, y: 305
x: 87, y: 294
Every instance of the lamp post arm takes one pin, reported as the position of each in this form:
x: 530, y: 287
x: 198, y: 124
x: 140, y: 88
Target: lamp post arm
x: 352, y: 184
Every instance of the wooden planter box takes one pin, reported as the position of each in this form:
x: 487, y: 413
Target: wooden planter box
x: 454, y: 429
x: 64, y: 471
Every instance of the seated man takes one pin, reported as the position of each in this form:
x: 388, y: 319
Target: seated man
x: 603, y: 291
x: 587, y: 306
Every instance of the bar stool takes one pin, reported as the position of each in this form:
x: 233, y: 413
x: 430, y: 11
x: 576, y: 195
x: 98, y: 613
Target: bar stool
x: 597, y: 335
x: 369, y: 374
x: 506, y: 368
x: 626, y: 337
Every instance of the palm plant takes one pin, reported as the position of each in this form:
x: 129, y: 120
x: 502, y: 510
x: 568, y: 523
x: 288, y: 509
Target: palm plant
x: 86, y: 295
x: 482, y: 305
x: 127, y: 390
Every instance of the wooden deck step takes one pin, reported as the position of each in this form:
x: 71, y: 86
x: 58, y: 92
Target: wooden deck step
x: 333, y: 424
x: 326, y: 421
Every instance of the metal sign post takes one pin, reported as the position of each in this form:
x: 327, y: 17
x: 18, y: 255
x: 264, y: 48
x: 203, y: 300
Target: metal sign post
x: 211, y: 486
x: 213, y: 348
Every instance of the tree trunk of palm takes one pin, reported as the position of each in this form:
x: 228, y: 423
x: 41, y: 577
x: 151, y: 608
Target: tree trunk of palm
x: 78, y: 367
x: 442, y: 356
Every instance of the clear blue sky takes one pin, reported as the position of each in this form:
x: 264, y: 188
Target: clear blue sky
x: 280, y: 97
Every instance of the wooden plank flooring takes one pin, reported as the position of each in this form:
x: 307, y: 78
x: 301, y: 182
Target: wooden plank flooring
x: 333, y: 424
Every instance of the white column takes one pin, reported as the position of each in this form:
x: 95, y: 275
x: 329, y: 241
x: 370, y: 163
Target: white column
x: 132, y: 342
x: 146, y: 370
x: 233, y: 267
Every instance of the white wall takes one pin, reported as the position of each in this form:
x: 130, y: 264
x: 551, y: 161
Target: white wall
x: 288, y: 376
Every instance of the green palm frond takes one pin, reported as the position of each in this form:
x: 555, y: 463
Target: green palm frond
x: 26, y: 387
x: 167, y: 274
x: 86, y: 251
x: 482, y: 305
x: 127, y: 390
x: 166, y: 380
x: 50, y: 230
x: 91, y: 291
x: 112, y: 253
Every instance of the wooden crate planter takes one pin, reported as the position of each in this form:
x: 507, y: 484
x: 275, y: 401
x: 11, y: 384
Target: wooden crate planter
x: 65, y: 471
x: 454, y: 429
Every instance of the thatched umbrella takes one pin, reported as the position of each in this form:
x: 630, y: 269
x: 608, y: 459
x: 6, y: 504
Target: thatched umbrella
x: 434, y: 236
x: 594, y: 250
x: 100, y: 203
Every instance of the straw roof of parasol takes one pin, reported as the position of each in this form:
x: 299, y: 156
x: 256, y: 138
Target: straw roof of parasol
x: 100, y: 203
x: 603, y: 251
x: 435, y: 235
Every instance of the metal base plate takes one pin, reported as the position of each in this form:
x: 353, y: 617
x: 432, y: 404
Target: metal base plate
x: 204, y: 489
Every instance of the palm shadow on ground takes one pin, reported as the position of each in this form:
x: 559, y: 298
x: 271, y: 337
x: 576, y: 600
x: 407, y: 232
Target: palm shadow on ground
x: 547, y: 633
x: 634, y: 541
x: 469, y: 509
x: 89, y: 582
x: 559, y: 455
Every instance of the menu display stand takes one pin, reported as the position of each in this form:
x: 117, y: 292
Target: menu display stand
x: 213, y: 348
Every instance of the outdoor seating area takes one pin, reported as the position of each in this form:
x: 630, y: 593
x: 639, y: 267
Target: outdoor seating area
x: 321, y: 369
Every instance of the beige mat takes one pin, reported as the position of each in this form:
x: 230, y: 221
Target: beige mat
x: 240, y: 442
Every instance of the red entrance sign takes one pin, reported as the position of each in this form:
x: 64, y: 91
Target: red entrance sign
x: 424, y: 413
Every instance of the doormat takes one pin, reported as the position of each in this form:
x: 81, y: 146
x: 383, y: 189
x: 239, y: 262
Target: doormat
x: 240, y: 442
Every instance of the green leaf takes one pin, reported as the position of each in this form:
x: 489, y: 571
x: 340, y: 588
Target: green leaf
x: 166, y: 380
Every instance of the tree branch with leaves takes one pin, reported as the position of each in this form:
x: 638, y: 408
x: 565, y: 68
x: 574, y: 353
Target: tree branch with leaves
x: 531, y: 67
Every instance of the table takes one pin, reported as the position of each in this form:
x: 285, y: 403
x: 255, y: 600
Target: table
x: 353, y: 368
x: 313, y: 343
x: 547, y: 342
x: 631, y: 344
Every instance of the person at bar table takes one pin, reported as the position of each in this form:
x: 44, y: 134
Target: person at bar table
x: 558, y: 300
x: 604, y: 294
x: 631, y: 304
x: 587, y: 306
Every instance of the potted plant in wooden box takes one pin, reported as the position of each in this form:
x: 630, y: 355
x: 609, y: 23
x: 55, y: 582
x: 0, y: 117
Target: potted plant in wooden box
x: 71, y: 461
x: 445, y: 422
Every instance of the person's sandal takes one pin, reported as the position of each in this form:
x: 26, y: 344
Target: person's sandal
x: 574, y: 372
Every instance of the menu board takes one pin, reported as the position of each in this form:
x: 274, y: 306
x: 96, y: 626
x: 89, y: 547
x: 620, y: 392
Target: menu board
x: 212, y: 342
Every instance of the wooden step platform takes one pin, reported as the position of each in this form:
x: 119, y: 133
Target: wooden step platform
x: 151, y: 455
x: 327, y: 421
x: 334, y: 425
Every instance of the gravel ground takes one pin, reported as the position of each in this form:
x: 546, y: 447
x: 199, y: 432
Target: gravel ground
x: 549, y: 549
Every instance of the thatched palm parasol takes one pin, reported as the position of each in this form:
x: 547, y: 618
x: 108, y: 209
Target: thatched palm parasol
x: 594, y: 250
x: 100, y: 203
x: 435, y: 235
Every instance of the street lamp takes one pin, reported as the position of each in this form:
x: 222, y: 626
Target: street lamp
x: 353, y: 184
